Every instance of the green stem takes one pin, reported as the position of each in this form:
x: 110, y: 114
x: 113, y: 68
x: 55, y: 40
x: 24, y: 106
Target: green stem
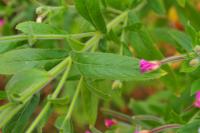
x: 72, y: 105
x: 54, y: 95
x: 89, y: 44
x: 45, y: 36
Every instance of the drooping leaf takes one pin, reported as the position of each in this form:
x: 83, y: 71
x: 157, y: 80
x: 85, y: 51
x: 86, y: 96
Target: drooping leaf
x: 25, y: 84
x: 21, y: 59
x: 30, y: 27
x: 111, y: 66
x: 19, y: 121
x: 90, y: 10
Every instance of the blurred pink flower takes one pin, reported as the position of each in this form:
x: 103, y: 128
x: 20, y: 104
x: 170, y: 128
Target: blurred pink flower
x: 147, y: 66
x: 2, y: 22
x: 110, y: 122
x: 87, y: 131
x: 197, y: 100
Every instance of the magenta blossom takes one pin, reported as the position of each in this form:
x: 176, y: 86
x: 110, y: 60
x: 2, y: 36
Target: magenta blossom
x: 87, y: 131
x: 2, y: 22
x: 110, y: 122
x: 148, y: 66
x: 136, y: 131
x: 197, y: 101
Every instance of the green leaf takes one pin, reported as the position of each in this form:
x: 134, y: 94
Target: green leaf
x: 111, y: 66
x: 89, y: 104
x: 90, y: 10
x: 157, y: 6
x: 192, y: 127
x: 187, y: 68
x: 195, y: 86
x: 181, y: 2
x: 63, y: 101
x: 67, y: 128
x: 9, y: 110
x: 75, y: 44
x: 19, y: 121
x: 32, y: 28
x: 21, y: 59
x: 3, y: 95
x: 25, y: 84
x: 182, y: 39
x: 6, y: 46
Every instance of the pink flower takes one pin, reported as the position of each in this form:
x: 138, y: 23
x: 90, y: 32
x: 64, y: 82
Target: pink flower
x: 87, y: 131
x: 136, y: 131
x: 2, y: 22
x: 110, y: 122
x: 197, y: 101
x: 148, y: 66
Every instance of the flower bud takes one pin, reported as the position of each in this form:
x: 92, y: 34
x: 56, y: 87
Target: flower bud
x: 110, y: 122
x: 194, y: 62
x: 197, y: 100
x: 2, y: 22
x: 117, y: 84
x: 148, y: 66
x: 87, y: 131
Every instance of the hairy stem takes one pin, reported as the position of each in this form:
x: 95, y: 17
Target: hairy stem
x: 165, y: 127
x: 45, y: 36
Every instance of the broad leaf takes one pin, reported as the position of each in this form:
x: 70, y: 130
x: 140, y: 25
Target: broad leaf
x: 111, y: 66
x: 25, y: 84
x: 90, y: 10
x: 20, y: 59
x: 32, y: 28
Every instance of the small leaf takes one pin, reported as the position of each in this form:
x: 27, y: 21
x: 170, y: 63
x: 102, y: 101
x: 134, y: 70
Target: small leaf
x: 25, y: 84
x: 134, y: 27
x: 67, y: 128
x: 195, y: 86
x: 90, y: 10
x: 75, y: 44
x: 111, y: 66
x: 21, y: 59
x: 32, y: 28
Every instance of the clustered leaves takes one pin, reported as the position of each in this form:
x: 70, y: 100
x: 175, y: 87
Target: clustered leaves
x: 91, y: 55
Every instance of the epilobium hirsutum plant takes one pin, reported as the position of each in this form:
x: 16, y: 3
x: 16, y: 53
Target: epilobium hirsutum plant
x: 94, y: 66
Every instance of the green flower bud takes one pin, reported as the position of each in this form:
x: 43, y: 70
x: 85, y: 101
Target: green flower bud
x: 117, y: 84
